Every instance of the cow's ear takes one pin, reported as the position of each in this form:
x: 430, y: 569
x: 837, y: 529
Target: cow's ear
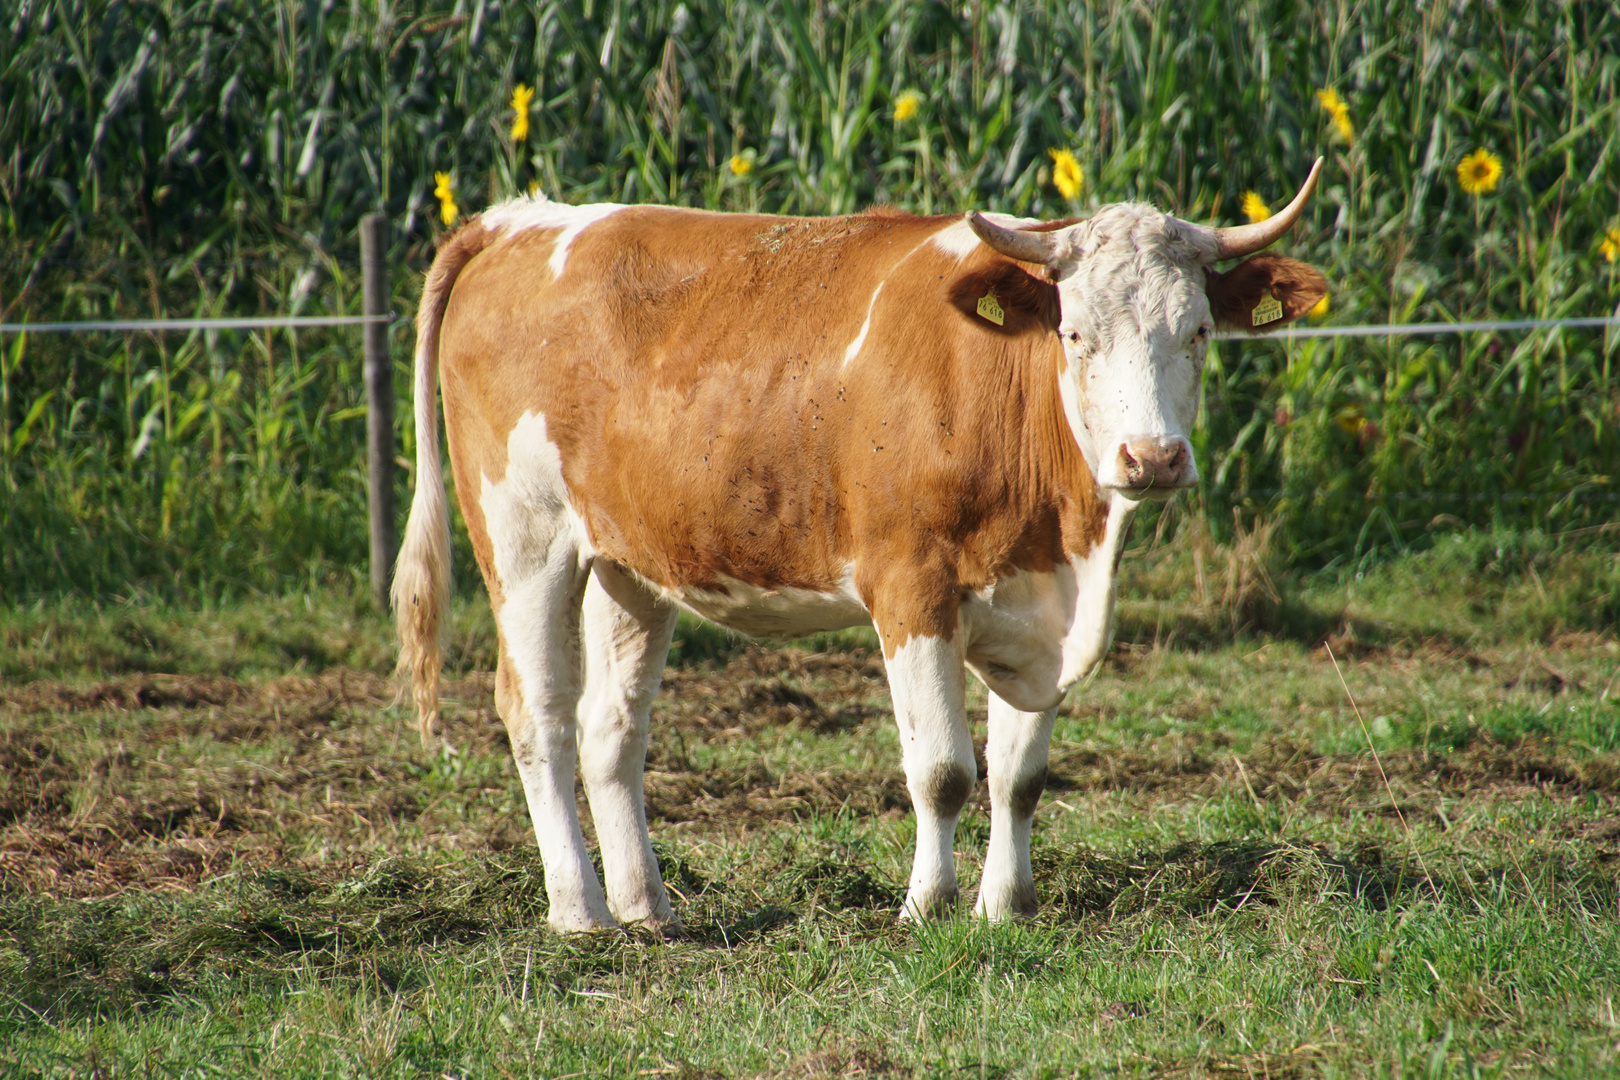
x: 1263, y: 293
x: 1025, y: 303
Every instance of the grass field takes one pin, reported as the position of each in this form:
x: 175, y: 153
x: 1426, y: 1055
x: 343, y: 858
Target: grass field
x: 223, y: 853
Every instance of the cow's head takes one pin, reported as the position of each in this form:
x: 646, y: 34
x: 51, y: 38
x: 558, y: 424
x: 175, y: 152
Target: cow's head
x: 1140, y: 298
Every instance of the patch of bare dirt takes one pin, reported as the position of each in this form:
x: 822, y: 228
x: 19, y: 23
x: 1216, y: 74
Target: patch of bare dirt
x: 158, y: 691
x: 1604, y: 838
x: 210, y: 772
x: 753, y: 795
x: 56, y: 863
x: 34, y: 778
x: 841, y: 1058
x: 1282, y: 769
x: 762, y: 688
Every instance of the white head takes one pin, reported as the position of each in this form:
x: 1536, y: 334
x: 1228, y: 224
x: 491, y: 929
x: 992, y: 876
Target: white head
x: 1140, y: 300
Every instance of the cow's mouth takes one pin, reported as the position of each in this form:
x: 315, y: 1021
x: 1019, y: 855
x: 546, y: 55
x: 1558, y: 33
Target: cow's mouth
x: 1153, y: 492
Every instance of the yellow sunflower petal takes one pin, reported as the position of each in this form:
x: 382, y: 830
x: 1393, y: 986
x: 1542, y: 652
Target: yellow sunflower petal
x: 1611, y: 244
x: 1067, y: 176
x: 521, y: 96
x: 1479, y: 172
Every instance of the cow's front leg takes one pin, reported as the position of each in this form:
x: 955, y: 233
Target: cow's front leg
x: 926, y: 681
x: 1016, y: 757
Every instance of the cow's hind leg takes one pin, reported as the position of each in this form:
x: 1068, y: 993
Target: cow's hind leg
x: 627, y: 630
x: 537, y: 692
x: 1016, y: 756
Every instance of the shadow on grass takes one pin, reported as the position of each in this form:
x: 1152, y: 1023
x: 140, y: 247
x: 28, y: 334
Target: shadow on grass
x: 1201, y: 879
x: 1195, y: 879
x: 1287, y: 620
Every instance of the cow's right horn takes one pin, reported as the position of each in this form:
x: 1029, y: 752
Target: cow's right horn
x: 1030, y: 247
x: 1242, y: 240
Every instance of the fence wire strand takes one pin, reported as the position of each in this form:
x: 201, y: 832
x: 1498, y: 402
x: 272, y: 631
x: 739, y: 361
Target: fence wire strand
x: 1287, y: 334
x: 251, y: 322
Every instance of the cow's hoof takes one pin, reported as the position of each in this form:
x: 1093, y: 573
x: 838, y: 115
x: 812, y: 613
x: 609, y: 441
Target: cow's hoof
x: 935, y: 906
x: 1015, y: 903
x: 577, y: 922
x: 668, y: 928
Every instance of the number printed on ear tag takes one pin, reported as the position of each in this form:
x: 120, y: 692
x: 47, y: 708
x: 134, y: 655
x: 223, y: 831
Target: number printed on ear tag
x: 990, y: 309
x: 1269, y: 309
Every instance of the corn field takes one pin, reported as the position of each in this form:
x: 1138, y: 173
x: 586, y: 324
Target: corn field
x: 180, y: 157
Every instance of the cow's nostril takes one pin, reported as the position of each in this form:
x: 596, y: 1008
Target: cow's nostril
x: 1132, y: 465
x: 1155, y: 463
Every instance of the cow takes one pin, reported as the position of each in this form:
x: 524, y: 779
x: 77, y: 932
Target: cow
x: 938, y: 426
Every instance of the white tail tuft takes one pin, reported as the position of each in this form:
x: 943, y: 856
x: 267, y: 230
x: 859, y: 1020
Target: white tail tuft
x: 421, y: 592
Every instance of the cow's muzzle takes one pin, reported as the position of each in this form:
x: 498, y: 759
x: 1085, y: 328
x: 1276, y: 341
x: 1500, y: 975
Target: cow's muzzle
x: 1155, y: 467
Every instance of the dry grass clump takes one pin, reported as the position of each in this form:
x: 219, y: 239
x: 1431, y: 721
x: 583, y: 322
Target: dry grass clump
x: 1226, y: 587
x: 840, y: 1057
x: 1235, y: 583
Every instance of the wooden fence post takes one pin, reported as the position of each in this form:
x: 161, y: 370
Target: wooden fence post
x: 379, y: 371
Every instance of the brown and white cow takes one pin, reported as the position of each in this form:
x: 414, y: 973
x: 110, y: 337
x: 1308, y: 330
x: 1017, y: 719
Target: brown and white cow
x: 789, y: 425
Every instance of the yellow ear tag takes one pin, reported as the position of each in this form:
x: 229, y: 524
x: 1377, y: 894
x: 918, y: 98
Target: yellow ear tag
x: 1268, y: 310
x: 990, y: 309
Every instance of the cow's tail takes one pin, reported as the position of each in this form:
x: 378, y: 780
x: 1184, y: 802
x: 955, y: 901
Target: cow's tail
x: 421, y: 593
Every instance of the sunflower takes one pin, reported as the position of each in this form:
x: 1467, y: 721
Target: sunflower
x: 1611, y: 244
x: 1336, y: 107
x: 521, y: 96
x: 1479, y: 172
x: 442, y: 191
x: 1066, y: 174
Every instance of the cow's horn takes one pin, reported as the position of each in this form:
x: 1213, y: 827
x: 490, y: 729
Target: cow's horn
x: 1244, y: 240
x: 1031, y: 247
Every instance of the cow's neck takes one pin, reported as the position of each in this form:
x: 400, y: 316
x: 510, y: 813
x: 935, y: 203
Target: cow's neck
x: 1091, y: 621
x: 1097, y: 525
x: 1094, y: 527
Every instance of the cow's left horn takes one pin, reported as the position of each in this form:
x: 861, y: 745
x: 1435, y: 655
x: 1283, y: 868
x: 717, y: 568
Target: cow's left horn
x: 1030, y: 247
x: 1244, y: 240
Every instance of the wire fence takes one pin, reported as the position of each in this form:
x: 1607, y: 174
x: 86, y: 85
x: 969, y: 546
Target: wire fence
x: 1405, y: 496
x: 250, y: 322
x: 378, y: 376
x: 1291, y: 333
x: 1429, y: 329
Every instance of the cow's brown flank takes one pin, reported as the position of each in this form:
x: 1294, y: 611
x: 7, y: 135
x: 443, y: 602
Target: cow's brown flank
x: 710, y: 428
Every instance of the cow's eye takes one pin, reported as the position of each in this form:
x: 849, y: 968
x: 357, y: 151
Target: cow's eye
x: 1203, y: 333
x: 1073, y: 336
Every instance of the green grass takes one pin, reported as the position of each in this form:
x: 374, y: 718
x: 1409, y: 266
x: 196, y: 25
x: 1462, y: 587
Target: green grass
x: 1299, y: 977
x: 246, y: 865
x: 161, y: 169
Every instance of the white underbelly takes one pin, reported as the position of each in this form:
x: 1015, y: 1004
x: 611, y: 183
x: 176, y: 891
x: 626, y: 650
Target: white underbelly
x: 774, y: 613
